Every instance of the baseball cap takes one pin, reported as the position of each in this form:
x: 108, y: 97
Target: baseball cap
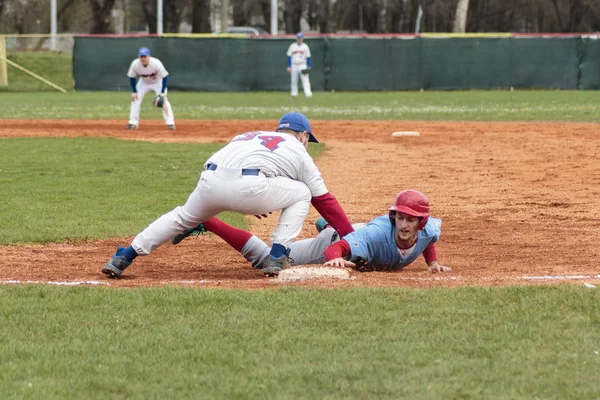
x: 296, y: 122
x: 144, y: 51
x: 299, y: 35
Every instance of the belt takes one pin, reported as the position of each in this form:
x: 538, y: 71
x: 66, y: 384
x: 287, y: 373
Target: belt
x: 245, y: 171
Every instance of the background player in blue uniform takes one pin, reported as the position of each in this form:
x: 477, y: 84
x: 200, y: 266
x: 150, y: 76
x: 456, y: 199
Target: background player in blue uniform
x: 388, y: 242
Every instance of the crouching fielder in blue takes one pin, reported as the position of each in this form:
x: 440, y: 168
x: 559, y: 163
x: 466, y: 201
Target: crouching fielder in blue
x: 391, y: 241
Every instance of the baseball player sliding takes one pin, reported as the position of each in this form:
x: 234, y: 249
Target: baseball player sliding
x: 388, y: 242
x: 153, y: 78
x: 299, y: 64
x: 256, y: 173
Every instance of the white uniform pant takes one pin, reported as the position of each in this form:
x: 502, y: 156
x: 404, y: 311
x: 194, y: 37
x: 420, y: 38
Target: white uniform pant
x: 142, y: 89
x: 226, y: 189
x: 296, y: 68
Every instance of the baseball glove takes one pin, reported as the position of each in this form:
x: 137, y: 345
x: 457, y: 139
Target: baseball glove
x: 304, y: 71
x: 159, y: 101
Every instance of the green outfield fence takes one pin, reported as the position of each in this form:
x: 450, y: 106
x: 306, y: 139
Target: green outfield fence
x: 352, y: 62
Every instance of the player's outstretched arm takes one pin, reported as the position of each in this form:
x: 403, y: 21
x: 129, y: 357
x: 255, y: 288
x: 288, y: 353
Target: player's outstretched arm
x: 340, y: 262
x: 337, y: 253
x: 430, y: 255
x: 435, y: 267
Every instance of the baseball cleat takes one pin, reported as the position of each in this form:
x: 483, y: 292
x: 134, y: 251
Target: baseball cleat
x: 276, y: 265
x: 131, y: 127
x: 261, y: 264
x: 171, y: 127
x: 116, y: 265
x: 195, y: 231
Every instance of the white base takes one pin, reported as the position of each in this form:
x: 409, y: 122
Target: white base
x: 301, y: 273
x: 405, y: 133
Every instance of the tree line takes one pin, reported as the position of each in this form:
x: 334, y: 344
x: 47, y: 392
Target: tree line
x: 323, y: 16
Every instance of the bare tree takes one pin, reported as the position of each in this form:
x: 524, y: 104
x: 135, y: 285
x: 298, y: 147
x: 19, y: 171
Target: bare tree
x: 370, y: 16
x: 32, y: 16
x: 224, y: 15
x: 571, y: 13
x: 149, y: 10
x: 325, y: 19
x: 201, y: 16
x: 101, y: 15
x: 252, y: 13
x: 291, y: 14
x: 460, y: 16
x: 239, y: 13
x: 393, y: 16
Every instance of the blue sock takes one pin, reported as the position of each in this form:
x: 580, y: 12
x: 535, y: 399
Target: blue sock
x: 278, y: 250
x: 129, y: 253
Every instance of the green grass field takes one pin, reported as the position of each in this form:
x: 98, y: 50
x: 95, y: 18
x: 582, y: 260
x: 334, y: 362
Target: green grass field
x: 504, y: 343
x: 371, y: 343
x: 473, y: 106
x: 53, y: 66
x: 86, y: 188
x: 550, y: 105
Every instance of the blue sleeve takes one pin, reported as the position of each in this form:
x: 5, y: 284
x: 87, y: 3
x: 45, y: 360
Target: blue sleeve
x: 364, y: 242
x: 289, y: 61
x: 433, y: 228
x: 165, y: 83
x: 308, y: 62
x: 132, y: 83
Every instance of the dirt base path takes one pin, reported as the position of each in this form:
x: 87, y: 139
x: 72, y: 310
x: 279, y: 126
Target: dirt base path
x: 520, y: 203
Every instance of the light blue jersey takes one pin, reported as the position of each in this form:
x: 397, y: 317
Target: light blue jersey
x: 376, y: 244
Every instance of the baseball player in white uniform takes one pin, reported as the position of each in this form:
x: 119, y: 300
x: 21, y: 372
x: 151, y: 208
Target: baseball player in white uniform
x: 153, y: 78
x: 256, y: 173
x: 298, y: 60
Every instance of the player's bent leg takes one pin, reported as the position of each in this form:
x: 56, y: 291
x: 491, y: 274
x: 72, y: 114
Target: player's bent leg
x: 134, y: 112
x: 310, y: 251
x: 197, y: 209
x: 256, y: 252
x: 251, y: 247
x: 234, y: 237
x: 167, y: 109
x: 294, y: 76
x: 168, y: 116
x: 294, y: 201
x: 306, y: 85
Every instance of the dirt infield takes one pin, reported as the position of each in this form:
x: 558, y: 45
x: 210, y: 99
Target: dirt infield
x: 520, y: 203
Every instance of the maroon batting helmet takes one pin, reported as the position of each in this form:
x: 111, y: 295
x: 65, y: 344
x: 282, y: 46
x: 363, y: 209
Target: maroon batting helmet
x: 413, y: 203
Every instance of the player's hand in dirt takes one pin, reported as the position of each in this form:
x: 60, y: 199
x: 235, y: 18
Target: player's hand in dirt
x: 435, y: 267
x: 134, y: 96
x: 340, y: 262
x: 289, y: 70
x: 260, y: 216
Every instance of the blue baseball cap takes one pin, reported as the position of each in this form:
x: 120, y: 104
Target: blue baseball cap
x: 298, y: 123
x: 144, y: 51
x: 299, y: 35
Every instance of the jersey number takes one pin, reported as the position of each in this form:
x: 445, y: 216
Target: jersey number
x: 270, y: 142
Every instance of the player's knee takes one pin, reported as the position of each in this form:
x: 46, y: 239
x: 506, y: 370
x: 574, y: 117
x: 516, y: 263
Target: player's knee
x: 185, y: 220
x: 305, y: 193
